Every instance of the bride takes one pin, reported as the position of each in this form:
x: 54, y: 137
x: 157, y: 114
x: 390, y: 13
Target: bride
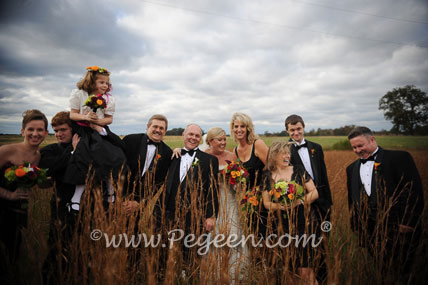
x: 228, y: 219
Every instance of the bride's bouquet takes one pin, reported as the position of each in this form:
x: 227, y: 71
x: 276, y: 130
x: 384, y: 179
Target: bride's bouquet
x: 286, y: 193
x: 235, y: 172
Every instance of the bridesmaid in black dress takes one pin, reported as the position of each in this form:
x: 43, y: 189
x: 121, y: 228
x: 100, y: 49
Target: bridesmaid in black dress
x: 278, y: 168
x: 13, y: 214
x: 253, y: 153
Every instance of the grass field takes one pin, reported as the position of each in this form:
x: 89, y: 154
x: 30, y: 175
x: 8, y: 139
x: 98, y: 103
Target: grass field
x: 327, y: 142
x: 347, y: 263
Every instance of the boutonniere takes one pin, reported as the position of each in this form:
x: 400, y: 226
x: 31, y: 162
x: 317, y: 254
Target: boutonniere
x: 158, y: 156
x: 376, y: 166
x: 312, y: 152
x: 195, y: 162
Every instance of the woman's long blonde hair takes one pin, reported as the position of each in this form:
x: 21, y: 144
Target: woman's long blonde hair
x: 246, y: 120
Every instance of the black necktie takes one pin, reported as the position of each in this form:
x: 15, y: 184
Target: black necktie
x: 156, y: 144
x: 190, y: 152
x: 302, y: 145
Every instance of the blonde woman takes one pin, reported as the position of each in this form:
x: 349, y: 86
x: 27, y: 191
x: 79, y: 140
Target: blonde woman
x: 252, y: 152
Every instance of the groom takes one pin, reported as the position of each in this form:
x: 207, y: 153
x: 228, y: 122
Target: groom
x: 192, y: 186
x: 311, y: 156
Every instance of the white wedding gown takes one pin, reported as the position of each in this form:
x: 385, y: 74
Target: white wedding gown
x: 228, y: 224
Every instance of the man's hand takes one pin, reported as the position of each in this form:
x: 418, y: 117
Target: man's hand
x: 131, y: 207
x: 209, y: 224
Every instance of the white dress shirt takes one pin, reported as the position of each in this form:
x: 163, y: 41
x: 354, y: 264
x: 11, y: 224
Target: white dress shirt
x: 306, y: 160
x: 185, y: 163
x: 151, y: 149
x: 366, y: 172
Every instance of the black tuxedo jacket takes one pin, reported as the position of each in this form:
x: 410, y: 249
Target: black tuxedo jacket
x: 198, y: 191
x: 55, y: 158
x: 316, y: 156
x: 136, y: 150
x: 396, y: 179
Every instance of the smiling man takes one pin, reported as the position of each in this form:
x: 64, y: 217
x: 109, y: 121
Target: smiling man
x: 386, y: 201
x: 311, y: 156
x: 193, y: 179
x: 148, y: 159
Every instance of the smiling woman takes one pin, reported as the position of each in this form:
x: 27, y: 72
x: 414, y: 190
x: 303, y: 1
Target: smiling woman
x: 13, y: 217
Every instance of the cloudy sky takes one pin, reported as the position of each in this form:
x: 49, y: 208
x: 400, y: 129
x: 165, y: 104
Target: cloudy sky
x: 200, y: 61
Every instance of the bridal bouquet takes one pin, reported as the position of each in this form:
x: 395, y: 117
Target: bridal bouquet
x: 96, y: 102
x: 235, y: 172
x: 25, y: 175
x: 251, y: 200
x: 287, y: 192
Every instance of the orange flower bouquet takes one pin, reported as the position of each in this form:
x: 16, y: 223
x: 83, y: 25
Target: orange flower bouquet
x: 251, y: 200
x: 25, y: 175
x: 96, y: 102
x: 287, y: 192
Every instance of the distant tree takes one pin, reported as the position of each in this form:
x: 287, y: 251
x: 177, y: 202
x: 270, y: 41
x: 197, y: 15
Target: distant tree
x: 407, y: 108
x: 175, y: 132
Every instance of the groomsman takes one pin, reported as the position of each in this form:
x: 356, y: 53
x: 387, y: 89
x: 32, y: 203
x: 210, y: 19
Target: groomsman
x: 55, y: 158
x: 311, y: 156
x: 385, y: 199
x: 192, y: 182
x: 148, y: 160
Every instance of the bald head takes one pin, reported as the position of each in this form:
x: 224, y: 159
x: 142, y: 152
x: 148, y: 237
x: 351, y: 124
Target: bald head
x: 192, y: 136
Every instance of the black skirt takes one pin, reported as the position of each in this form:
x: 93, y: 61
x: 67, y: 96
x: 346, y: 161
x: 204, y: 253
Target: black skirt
x: 95, y: 155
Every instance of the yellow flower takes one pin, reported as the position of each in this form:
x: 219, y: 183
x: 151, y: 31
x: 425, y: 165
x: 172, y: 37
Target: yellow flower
x: 99, y: 102
x: 238, y: 173
x: 291, y: 196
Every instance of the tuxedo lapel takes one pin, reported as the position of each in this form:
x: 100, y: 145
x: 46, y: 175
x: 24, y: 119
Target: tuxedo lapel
x: 375, y: 174
x: 174, y: 172
x: 143, y: 151
x: 295, y: 156
x: 314, y: 162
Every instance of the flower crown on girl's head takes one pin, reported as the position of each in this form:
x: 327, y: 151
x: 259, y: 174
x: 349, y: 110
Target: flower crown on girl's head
x: 98, y: 69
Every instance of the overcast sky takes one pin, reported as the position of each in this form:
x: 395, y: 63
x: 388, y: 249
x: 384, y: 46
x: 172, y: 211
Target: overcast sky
x: 200, y: 61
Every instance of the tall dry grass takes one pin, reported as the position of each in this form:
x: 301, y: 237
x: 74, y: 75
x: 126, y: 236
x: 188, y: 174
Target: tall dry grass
x: 89, y: 261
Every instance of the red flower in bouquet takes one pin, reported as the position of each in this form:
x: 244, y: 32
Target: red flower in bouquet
x: 235, y: 172
x: 96, y: 102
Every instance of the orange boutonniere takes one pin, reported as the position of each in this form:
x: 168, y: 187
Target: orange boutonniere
x: 158, y: 156
x: 376, y: 166
x: 312, y: 152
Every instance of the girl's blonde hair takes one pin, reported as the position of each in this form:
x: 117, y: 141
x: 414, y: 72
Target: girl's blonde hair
x: 275, y: 149
x: 246, y: 120
x: 213, y: 133
x: 88, y: 82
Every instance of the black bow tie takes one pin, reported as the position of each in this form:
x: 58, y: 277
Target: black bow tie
x: 190, y: 152
x: 370, y: 158
x: 302, y: 145
x: 149, y: 141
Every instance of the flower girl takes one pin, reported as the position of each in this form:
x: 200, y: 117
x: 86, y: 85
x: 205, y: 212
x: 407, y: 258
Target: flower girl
x: 99, y: 152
